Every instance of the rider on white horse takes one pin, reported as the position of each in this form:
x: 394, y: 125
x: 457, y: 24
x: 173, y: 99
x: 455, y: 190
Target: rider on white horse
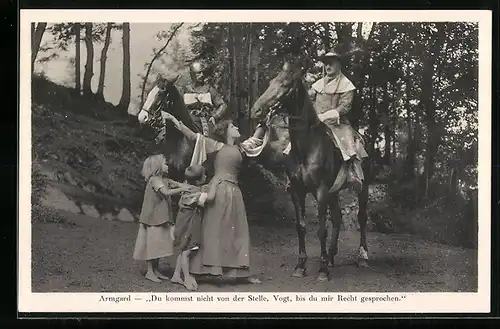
x: 202, y: 99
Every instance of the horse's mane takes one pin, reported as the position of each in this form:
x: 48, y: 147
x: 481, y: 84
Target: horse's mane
x: 179, y: 108
x: 175, y: 146
x: 307, y: 103
x: 307, y: 120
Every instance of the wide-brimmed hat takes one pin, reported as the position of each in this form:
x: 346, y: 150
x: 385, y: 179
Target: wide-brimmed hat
x: 332, y: 54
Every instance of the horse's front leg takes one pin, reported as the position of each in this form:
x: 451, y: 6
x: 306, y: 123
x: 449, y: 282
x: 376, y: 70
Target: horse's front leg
x: 362, y: 219
x: 322, y: 200
x: 299, y: 200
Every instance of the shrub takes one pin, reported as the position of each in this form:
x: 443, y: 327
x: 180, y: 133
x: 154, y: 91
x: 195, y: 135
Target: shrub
x: 40, y: 213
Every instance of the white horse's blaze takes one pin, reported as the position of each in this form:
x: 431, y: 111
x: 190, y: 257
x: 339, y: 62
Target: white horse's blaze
x: 143, y: 114
x: 362, y: 253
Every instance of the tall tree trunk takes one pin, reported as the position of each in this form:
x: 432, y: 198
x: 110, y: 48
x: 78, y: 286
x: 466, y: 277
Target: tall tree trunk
x: 89, y: 65
x: 418, y: 149
x: 242, y: 92
x: 344, y: 39
x: 427, y: 101
x: 252, y: 70
x: 453, y: 178
x: 326, y: 37
x: 234, y: 70
x: 125, y: 99
x: 238, y: 72
x: 104, y: 52
x: 359, y: 33
x: 249, y: 74
x: 393, y: 140
x: 344, y: 32
x: 254, y: 87
x: 359, y: 80
x: 226, y: 72
x: 36, y: 39
x: 386, y: 117
x: 78, y: 79
x: 373, y: 123
x: 411, y: 147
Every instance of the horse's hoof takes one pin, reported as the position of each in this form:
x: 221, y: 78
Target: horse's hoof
x: 299, y: 273
x: 363, y: 263
x: 322, y: 277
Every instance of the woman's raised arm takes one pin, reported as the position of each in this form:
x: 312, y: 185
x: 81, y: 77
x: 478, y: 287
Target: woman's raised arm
x: 179, y: 125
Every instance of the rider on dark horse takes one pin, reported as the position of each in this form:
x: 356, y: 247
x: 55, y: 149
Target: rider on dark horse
x: 332, y: 96
x: 203, y: 101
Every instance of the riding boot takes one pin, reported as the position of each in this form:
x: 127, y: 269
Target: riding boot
x: 287, y: 184
x: 354, y: 178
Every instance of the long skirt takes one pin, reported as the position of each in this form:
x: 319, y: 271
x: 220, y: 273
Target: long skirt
x: 153, y: 242
x: 225, y: 242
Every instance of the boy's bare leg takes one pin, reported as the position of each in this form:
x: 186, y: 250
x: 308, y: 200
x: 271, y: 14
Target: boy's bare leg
x: 189, y: 281
x: 176, y: 277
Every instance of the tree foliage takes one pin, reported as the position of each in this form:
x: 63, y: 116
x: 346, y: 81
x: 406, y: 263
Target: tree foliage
x: 417, y: 86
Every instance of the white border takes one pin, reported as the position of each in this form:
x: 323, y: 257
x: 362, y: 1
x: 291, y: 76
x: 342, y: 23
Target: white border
x: 413, y: 302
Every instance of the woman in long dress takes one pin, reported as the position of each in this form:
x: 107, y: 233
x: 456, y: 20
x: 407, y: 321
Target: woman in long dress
x: 225, y: 244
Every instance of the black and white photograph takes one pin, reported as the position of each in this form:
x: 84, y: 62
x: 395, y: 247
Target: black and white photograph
x: 332, y: 156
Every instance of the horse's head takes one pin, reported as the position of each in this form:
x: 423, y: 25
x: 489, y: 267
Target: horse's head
x: 163, y: 97
x: 282, y: 89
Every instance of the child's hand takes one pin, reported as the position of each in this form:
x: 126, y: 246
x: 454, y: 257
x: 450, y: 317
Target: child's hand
x: 172, y: 232
x: 172, y: 183
x: 189, y: 188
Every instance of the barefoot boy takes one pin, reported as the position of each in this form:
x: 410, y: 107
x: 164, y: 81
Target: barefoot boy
x: 188, y: 223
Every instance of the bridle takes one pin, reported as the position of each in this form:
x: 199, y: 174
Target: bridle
x: 163, y: 103
x: 296, y: 122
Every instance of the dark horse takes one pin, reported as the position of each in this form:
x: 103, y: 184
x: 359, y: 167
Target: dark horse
x: 177, y: 149
x: 313, y: 165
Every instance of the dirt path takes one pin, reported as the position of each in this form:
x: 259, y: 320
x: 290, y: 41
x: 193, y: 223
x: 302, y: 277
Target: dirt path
x: 89, y: 255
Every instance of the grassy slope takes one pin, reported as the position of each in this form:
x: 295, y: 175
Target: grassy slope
x: 89, y: 152
x: 94, y: 154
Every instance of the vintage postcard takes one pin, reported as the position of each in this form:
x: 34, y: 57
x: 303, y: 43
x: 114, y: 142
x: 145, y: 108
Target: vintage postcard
x: 255, y: 161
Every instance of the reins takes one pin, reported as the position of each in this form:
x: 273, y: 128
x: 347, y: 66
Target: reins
x: 302, y: 118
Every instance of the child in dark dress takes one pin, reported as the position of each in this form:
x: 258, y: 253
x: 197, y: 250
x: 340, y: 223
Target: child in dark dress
x: 188, y: 222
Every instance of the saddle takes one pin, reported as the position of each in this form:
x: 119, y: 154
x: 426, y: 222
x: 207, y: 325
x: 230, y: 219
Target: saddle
x: 201, y: 112
x: 280, y: 121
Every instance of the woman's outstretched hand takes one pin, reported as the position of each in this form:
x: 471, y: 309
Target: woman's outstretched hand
x: 170, y: 117
x: 179, y: 125
x: 167, y: 116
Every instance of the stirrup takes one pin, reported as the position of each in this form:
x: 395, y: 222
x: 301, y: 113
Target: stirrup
x: 355, y: 184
